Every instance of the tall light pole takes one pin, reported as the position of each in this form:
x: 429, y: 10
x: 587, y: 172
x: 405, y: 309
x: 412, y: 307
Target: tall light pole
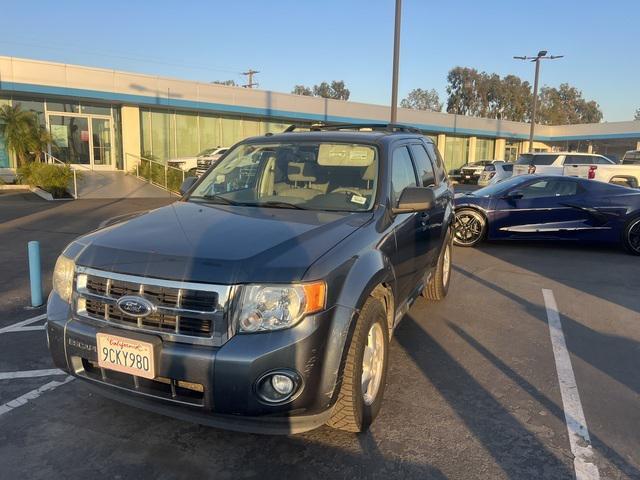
x: 542, y: 55
x: 396, y: 61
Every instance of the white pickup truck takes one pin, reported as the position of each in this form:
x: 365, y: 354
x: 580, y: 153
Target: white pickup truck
x: 553, y: 163
x: 626, y: 175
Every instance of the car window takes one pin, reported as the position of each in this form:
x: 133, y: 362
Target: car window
x: 490, y: 168
x: 402, y: 174
x: 578, y: 160
x: 549, y: 188
x: 436, y: 159
x: 602, y: 160
x: 537, y: 159
x: 507, y: 167
x: 426, y: 174
x: 308, y: 175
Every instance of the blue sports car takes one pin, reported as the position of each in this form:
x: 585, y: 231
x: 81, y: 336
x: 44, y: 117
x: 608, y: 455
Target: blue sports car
x: 548, y: 207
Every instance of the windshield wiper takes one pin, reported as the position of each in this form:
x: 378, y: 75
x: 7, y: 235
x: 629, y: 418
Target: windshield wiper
x: 275, y: 204
x: 219, y: 198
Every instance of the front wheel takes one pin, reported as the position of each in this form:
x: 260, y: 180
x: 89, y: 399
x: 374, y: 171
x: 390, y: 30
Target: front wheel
x: 631, y: 236
x: 469, y: 227
x: 365, y: 371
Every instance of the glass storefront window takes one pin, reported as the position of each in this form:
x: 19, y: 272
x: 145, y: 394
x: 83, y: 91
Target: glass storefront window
x: 145, y: 132
x: 95, y: 109
x: 32, y: 106
x: 231, y: 131
x: 186, y: 135
x: 63, y: 107
x: 163, y: 145
x: 485, y: 149
x: 209, y: 132
x: 511, y: 150
x: 456, y: 153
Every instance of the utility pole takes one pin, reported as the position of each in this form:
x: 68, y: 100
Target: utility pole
x: 250, y: 73
x: 396, y: 61
x: 542, y: 55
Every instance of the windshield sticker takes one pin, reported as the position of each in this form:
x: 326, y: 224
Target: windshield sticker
x: 358, y: 199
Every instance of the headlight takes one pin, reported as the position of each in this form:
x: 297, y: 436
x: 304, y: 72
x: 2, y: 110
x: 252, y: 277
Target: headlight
x: 63, y: 277
x: 274, y: 307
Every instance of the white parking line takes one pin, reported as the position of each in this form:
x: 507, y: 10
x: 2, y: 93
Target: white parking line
x: 32, y: 395
x: 31, y: 373
x: 16, y: 326
x: 574, y: 416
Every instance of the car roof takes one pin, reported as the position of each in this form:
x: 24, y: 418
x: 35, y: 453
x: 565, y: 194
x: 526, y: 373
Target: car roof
x: 372, y: 137
x: 563, y: 153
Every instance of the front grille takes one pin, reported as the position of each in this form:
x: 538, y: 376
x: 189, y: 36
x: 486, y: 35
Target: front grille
x: 202, y: 167
x: 187, y: 310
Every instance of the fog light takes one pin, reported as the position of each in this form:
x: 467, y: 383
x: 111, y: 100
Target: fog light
x: 282, y: 384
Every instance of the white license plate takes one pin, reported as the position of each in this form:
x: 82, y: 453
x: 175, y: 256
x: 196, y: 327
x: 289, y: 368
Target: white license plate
x: 125, y: 355
x: 467, y: 176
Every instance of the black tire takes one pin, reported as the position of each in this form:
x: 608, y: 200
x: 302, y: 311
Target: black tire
x: 469, y: 227
x: 631, y: 236
x: 351, y: 413
x: 438, y: 286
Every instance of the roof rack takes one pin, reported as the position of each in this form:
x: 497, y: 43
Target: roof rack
x: 387, y: 127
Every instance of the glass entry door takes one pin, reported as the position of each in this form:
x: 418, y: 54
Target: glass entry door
x: 82, y: 140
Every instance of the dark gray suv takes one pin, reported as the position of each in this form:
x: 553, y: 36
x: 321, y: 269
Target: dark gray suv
x: 264, y: 299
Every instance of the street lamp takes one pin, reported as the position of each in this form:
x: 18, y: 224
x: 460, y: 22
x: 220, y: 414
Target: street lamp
x: 542, y: 55
x: 396, y: 61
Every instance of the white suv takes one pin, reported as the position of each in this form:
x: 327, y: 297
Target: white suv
x: 552, y: 163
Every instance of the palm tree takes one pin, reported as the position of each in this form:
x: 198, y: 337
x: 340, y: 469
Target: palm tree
x: 18, y: 129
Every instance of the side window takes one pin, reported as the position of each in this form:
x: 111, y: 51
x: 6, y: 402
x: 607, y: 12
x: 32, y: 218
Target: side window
x: 549, y: 188
x: 426, y: 175
x: 578, y: 160
x: 436, y: 159
x: 402, y: 173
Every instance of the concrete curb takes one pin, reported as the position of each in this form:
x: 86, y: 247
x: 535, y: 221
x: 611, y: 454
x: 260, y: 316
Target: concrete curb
x: 47, y: 196
x: 14, y: 187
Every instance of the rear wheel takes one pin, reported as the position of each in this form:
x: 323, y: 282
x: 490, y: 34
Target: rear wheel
x: 631, y: 236
x: 469, y: 227
x: 438, y: 286
x: 365, y: 371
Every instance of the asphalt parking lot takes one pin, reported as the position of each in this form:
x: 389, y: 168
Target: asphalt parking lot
x: 478, y: 384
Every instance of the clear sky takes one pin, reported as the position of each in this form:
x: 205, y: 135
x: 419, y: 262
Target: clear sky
x: 305, y: 42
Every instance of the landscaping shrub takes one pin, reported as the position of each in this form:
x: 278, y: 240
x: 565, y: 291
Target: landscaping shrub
x: 55, y: 179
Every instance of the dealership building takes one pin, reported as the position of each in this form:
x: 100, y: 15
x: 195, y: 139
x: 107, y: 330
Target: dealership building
x: 107, y: 120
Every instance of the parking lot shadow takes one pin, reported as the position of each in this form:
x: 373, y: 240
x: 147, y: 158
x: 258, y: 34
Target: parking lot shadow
x: 605, y: 450
x: 603, y: 271
x: 515, y: 449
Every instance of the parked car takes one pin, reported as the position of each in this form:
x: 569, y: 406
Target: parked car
x: 549, y: 207
x: 264, y: 299
x: 553, y: 163
x: 632, y: 157
x: 209, y: 157
x: 471, y: 172
x: 494, y: 173
x: 199, y: 162
x: 626, y: 174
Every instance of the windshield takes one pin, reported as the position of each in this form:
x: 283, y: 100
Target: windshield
x: 313, y: 176
x: 500, y: 187
x: 537, y: 159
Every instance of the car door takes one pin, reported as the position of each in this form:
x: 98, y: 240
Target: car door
x: 409, y: 229
x: 547, y: 208
x: 425, y: 166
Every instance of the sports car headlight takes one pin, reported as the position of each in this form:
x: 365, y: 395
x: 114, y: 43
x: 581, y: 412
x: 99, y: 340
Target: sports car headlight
x: 63, y: 277
x: 274, y: 307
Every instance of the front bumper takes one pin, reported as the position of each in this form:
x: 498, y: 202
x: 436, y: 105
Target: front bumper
x: 226, y: 376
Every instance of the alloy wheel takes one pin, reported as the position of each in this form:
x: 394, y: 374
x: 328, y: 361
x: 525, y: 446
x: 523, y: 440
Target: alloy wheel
x: 372, y: 364
x: 468, y: 227
x: 633, y: 236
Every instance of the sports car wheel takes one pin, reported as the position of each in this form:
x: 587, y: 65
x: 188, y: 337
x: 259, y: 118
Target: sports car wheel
x: 469, y: 227
x: 631, y: 237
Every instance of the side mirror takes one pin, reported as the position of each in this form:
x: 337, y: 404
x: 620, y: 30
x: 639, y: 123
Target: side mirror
x: 415, y: 199
x: 187, y: 184
x: 513, y: 195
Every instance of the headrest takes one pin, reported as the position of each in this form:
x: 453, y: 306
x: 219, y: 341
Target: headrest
x: 301, y: 172
x: 370, y: 172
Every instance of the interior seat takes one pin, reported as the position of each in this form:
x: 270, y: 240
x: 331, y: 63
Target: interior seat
x: 301, y: 176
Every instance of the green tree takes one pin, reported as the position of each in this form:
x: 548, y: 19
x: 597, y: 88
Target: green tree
x: 419, y: 99
x: 565, y: 105
x: 230, y: 83
x: 19, y: 129
x: 302, y: 90
x: 336, y: 90
x: 637, y: 115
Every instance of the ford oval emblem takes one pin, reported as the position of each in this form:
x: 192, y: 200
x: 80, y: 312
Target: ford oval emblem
x: 135, y: 306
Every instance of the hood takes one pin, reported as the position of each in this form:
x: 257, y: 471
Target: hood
x: 218, y: 243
